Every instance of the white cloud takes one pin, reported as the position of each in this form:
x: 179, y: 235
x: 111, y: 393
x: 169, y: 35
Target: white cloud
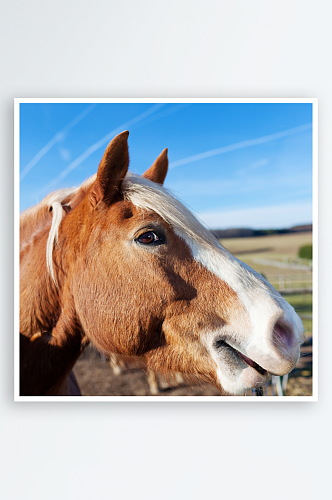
x: 277, y: 216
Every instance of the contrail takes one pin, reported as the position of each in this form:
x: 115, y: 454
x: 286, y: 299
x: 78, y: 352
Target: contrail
x: 240, y: 145
x: 54, y: 140
x: 100, y: 143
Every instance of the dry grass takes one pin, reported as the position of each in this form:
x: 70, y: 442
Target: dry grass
x: 271, y: 247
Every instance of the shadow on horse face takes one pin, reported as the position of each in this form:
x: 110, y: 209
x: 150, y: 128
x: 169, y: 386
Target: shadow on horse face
x: 133, y: 271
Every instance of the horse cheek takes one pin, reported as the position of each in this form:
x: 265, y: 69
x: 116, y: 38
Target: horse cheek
x: 118, y: 317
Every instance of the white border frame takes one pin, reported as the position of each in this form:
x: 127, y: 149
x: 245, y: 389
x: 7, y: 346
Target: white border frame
x: 55, y: 399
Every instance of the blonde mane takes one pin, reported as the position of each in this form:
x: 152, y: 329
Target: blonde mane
x: 143, y: 194
x: 148, y: 195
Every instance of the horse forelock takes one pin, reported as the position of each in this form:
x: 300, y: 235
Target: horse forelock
x: 142, y: 193
x: 148, y: 195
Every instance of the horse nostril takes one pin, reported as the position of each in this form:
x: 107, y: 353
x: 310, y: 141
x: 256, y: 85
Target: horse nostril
x: 283, y: 335
x: 218, y: 343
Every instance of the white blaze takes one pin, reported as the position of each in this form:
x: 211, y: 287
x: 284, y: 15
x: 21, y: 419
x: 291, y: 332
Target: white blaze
x: 262, y: 303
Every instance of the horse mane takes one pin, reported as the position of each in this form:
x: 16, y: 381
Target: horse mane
x: 35, y: 218
x: 141, y: 192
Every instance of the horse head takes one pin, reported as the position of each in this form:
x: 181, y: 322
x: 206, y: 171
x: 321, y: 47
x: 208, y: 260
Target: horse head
x: 140, y: 276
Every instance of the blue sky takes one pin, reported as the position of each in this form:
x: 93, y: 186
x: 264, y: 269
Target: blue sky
x: 233, y: 164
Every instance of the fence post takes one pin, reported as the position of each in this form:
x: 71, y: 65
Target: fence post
x: 284, y: 382
x: 279, y: 388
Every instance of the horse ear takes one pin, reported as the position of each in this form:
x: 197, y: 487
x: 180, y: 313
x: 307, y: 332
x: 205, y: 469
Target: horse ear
x: 112, y: 169
x: 157, y: 172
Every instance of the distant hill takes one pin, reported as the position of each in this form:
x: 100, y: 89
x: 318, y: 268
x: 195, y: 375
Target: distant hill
x: 246, y: 232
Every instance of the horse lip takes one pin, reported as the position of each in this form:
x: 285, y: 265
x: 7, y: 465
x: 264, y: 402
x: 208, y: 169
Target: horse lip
x: 222, y: 343
x: 253, y: 364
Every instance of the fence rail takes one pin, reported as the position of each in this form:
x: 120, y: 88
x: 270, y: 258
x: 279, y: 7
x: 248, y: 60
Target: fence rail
x: 283, y: 282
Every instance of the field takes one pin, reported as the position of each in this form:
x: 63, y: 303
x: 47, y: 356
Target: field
x: 273, y: 256
x: 274, y: 246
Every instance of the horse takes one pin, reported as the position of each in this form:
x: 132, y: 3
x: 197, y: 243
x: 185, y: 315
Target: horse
x: 121, y: 263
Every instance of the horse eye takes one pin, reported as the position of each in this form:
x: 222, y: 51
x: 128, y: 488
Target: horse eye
x: 148, y: 238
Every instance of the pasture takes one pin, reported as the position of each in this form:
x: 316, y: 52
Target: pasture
x: 272, y: 246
